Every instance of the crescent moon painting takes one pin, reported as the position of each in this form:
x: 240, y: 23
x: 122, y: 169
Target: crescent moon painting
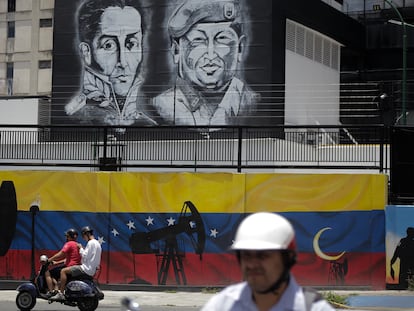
x: 318, y: 250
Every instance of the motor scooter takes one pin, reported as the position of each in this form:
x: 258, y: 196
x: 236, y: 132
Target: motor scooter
x: 82, y: 292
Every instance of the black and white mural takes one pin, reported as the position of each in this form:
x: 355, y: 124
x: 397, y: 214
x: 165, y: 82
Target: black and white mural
x: 162, y: 62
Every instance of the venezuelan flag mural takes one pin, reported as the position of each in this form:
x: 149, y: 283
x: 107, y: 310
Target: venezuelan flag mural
x: 176, y: 228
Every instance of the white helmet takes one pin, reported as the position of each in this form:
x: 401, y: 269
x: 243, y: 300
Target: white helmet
x: 43, y: 258
x: 264, y: 231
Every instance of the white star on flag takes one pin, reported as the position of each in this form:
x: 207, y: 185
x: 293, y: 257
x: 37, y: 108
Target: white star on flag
x: 213, y: 233
x: 149, y: 220
x: 131, y: 225
x: 101, y: 240
x: 115, y: 232
x: 171, y: 221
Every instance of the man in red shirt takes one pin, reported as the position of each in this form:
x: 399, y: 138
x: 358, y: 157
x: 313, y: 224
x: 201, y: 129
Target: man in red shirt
x: 66, y: 257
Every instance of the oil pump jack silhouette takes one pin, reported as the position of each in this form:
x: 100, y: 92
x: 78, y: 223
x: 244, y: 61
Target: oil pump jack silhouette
x: 188, y: 223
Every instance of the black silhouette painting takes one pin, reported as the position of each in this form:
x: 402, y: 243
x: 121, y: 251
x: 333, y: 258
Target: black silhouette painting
x: 8, y: 215
x: 405, y: 253
x: 190, y: 223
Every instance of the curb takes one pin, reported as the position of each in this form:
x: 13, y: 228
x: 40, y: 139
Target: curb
x: 13, y: 284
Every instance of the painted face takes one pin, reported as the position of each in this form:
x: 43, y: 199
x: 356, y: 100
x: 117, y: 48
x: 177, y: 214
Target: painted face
x: 209, y: 54
x: 117, y: 47
x: 261, y: 268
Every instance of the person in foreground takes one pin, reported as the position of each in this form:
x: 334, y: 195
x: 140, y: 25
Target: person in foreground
x: 265, y: 249
x: 91, y: 260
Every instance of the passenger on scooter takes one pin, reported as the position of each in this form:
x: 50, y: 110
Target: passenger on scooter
x: 68, y: 256
x: 40, y: 277
x: 91, y: 260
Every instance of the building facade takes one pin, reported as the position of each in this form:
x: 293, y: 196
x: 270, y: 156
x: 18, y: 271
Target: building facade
x: 26, y: 44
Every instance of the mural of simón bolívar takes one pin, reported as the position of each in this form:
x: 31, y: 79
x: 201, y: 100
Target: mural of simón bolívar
x: 110, y: 47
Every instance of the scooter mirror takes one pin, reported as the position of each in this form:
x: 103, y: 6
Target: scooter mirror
x: 129, y: 305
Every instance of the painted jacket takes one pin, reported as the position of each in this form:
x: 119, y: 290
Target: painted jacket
x: 183, y: 105
x: 98, y: 104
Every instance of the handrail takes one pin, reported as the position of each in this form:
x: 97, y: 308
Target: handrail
x: 189, y: 148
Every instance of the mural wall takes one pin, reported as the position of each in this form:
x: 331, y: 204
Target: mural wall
x: 165, y: 62
x: 400, y: 246
x: 145, y: 221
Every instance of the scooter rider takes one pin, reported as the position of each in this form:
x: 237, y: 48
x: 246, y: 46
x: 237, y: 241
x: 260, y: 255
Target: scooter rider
x: 66, y: 257
x: 266, y: 251
x: 91, y: 260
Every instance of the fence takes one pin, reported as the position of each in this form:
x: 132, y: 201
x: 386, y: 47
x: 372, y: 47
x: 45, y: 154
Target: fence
x: 193, y: 148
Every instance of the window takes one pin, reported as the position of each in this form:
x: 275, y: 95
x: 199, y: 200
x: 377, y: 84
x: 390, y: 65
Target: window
x: 10, y: 29
x: 44, y: 64
x: 11, y: 5
x: 9, y: 77
x: 45, y: 22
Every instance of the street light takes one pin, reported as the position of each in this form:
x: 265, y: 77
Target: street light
x: 404, y: 64
x: 34, y: 209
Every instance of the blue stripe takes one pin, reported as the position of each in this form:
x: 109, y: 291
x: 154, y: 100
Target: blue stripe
x: 355, y: 231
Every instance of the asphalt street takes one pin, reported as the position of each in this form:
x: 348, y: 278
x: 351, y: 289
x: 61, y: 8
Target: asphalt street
x: 179, y: 300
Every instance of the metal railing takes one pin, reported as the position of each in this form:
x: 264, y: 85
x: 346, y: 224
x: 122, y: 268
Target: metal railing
x: 185, y: 148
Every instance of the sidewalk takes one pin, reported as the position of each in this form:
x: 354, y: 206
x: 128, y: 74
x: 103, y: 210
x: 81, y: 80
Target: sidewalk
x: 197, y: 297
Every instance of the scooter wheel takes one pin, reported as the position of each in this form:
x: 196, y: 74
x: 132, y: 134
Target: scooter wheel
x: 88, y: 304
x: 25, y: 301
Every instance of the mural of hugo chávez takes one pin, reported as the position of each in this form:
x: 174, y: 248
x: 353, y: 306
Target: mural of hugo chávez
x: 208, y: 44
x: 110, y: 41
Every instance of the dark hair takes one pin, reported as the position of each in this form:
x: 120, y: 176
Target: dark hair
x: 89, y: 14
x: 87, y: 229
x: 72, y: 233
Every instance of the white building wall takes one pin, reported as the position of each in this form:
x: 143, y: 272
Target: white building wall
x: 19, y: 111
x: 21, y: 82
x: 47, y: 4
x: 24, y: 5
x: 3, y: 37
x: 23, y: 38
x: 44, y: 80
x: 312, y: 77
x: 45, y: 42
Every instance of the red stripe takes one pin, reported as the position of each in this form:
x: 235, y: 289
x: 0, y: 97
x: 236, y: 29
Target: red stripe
x: 364, y: 269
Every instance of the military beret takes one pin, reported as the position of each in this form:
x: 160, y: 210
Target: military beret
x: 192, y: 12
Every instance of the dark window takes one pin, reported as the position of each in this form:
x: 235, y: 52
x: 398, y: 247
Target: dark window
x: 44, y: 64
x: 45, y: 22
x: 11, y: 5
x: 10, y: 70
x: 9, y: 77
x: 10, y: 29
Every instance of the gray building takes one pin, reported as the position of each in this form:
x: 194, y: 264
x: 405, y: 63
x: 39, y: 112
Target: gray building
x: 26, y: 44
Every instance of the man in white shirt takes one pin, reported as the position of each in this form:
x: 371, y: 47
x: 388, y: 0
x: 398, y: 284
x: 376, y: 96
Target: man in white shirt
x: 91, y: 254
x: 265, y: 248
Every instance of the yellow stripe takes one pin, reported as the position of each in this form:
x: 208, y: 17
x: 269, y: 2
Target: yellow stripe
x: 209, y: 192
x: 316, y: 192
